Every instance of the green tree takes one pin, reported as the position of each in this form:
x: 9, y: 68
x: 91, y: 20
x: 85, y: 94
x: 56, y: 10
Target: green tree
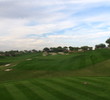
x: 108, y: 42
x: 46, y: 49
x: 99, y: 46
x: 85, y: 48
x: 65, y: 49
x: 71, y: 48
x: 59, y: 49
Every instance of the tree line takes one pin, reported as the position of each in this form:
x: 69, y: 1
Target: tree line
x: 17, y: 52
x: 64, y: 49
x: 102, y: 45
x: 76, y: 49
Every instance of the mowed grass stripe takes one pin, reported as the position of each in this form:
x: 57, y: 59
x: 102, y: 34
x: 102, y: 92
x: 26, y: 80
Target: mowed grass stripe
x: 54, y: 92
x: 28, y: 92
x: 91, y: 88
x: 64, y: 90
x: 89, y: 84
x: 104, y: 84
x: 99, y: 80
x: 4, y: 94
x: 15, y: 92
x: 84, y: 94
x: 96, y: 81
x: 39, y: 91
x: 103, y: 78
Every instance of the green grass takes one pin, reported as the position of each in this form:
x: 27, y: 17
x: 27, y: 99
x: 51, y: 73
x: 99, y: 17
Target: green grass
x: 60, y: 77
x: 65, y: 62
x: 66, y: 88
x: 91, y: 63
x: 18, y: 59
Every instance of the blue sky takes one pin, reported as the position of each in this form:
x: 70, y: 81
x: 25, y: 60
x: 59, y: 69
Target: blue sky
x: 35, y: 24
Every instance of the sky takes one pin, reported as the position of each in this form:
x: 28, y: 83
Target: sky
x: 35, y: 24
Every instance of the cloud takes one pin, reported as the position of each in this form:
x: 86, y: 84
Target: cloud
x: 27, y: 24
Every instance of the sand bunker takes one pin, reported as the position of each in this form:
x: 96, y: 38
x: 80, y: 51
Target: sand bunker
x: 7, y: 65
x: 28, y: 59
x: 85, y: 83
x: 7, y: 70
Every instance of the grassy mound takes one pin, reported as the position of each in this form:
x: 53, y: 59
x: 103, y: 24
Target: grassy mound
x: 28, y: 66
x: 74, y: 61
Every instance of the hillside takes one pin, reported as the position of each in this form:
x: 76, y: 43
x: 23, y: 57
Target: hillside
x: 91, y: 63
x: 73, y: 61
x: 59, y: 77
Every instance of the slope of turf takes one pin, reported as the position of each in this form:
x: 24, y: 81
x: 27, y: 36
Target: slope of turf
x: 66, y: 88
x: 92, y: 63
x: 17, y: 59
x: 51, y: 78
x: 65, y: 62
